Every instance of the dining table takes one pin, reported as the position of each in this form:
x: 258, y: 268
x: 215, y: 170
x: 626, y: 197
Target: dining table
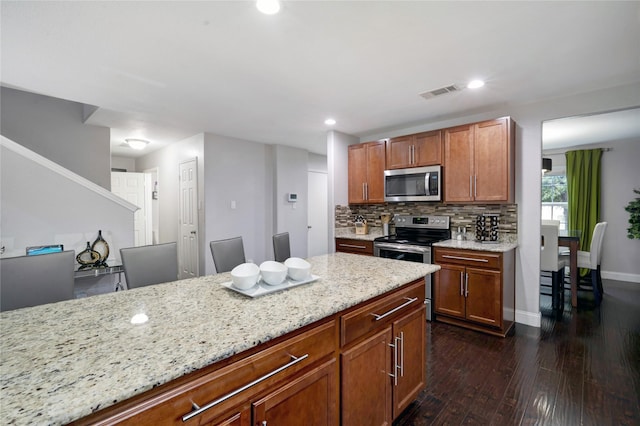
x: 571, y: 239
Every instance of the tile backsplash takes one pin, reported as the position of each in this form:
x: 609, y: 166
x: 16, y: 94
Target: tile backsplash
x: 460, y: 215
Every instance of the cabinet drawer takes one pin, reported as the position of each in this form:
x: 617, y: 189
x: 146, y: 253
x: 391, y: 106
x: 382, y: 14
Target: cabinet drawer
x: 233, y: 385
x: 348, y: 245
x: 480, y: 259
x: 369, y: 317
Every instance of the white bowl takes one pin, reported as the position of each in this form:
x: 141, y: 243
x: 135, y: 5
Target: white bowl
x: 273, y: 273
x: 299, y: 269
x: 245, y: 275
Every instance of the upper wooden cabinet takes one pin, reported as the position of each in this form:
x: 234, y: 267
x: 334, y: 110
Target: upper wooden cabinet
x: 479, y: 162
x: 422, y: 149
x: 366, y: 173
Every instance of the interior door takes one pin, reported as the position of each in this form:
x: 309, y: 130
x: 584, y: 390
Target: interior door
x: 130, y: 186
x: 188, y: 248
x: 317, y: 215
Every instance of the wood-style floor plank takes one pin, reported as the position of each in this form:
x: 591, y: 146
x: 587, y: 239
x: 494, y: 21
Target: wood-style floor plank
x: 581, y: 367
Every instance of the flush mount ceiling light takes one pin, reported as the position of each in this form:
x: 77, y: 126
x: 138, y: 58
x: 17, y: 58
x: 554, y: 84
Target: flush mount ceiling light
x: 137, y: 143
x: 475, y: 84
x: 268, y: 7
x: 330, y: 122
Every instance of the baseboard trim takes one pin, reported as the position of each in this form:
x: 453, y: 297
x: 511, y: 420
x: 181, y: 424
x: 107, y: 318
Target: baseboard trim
x: 529, y: 318
x: 620, y: 276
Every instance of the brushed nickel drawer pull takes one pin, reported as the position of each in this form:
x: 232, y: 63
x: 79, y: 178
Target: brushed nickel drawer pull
x: 352, y: 246
x: 199, y: 410
x: 386, y: 314
x: 465, y: 258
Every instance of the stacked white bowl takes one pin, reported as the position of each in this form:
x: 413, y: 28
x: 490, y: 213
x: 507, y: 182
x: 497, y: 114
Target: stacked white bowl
x: 245, y: 275
x: 297, y: 268
x: 273, y: 273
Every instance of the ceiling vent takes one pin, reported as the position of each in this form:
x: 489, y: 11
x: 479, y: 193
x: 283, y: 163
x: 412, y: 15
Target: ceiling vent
x: 442, y: 91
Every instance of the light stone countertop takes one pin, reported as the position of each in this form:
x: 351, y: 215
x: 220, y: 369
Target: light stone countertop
x: 63, y: 361
x: 374, y: 232
x: 500, y: 247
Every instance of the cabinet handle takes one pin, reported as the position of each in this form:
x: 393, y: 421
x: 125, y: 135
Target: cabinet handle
x: 464, y: 258
x: 199, y: 410
x: 475, y: 186
x: 352, y: 246
x: 402, y: 354
x: 395, y: 361
x: 470, y: 187
x: 364, y: 195
x: 461, y: 284
x: 410, y: 154
x: 466, y: 284
x: 386, y: 314
x: 413, y: 154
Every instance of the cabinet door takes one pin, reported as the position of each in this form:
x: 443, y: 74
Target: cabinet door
x: 484, y: 297
x: 366, y: 384
x: 357, y: 173
x: 311, y: 400
x: 375, y: 172
x: 458, y: 164
x: 492, y: 160
x: 409, y: 335
x: 400, y: 152
x: 428, y: 149
x: 241, y: 417
x: 449, y: 291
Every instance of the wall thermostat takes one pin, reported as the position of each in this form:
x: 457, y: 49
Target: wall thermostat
x: 292, y: 197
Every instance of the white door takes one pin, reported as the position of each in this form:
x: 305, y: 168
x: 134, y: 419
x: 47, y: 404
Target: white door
x: 188, y: 247
x: 130, y: 186
x: 317, y: 242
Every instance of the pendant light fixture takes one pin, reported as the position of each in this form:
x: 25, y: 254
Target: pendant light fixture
x: 546, y: 165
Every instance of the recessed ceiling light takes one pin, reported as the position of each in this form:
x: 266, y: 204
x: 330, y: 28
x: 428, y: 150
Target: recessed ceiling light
x: 268, y: 7
x: 474, y: 84
x: 137, y: 143
x: 329, y: 121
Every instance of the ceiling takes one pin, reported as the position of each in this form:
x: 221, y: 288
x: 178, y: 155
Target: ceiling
x: 167, y: 70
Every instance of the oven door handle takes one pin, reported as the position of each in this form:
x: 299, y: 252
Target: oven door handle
x: 402, y: 248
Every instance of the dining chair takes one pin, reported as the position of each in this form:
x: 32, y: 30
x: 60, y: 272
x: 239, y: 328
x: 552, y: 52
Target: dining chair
x: 36, y: 280
x: 591, y: 260
x: 551, y: 261
x: 148, y: 265
x: 281, y: 247
x: 227, y: 254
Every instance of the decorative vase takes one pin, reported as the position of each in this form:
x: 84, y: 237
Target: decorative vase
x: 88, y: 257
x: 102, y: 247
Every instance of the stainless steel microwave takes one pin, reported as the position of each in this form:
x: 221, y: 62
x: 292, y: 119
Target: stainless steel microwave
x: 413, y: 184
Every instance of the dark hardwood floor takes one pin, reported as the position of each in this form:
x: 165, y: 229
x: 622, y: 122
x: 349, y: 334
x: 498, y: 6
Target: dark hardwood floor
x: 581, y: 368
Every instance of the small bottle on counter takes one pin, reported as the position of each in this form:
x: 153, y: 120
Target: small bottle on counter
x: 459, y: 234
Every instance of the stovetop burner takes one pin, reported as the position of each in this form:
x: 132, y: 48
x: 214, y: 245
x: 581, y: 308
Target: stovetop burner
x: 418, y: 230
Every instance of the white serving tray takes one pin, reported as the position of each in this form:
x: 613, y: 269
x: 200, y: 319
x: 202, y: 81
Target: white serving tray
x: 263, y: 288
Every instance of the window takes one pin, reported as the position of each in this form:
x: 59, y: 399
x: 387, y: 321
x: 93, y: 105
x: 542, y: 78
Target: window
x: 554, y: 198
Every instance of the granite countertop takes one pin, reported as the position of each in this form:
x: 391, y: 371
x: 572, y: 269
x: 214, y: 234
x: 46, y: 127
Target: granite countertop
x: 374, y: 232
x: 500, y: 247
x: 63, y: 361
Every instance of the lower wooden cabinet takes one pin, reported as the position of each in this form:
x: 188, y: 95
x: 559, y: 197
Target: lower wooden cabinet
x: 383, y: 361
x: 351, y: 245
x: 475, y: 289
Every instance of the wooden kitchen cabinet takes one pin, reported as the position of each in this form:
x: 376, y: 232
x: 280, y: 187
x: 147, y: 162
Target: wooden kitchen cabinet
x: 383, y: 358
x: 475, y: 289
x: 366, y: 173
x: 422, y: 149
x: 352, y: 245
x: 479, y: 162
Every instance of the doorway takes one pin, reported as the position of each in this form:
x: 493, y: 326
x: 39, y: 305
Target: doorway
x: 317, y: 215
x: 188, y: 253
x: 131, y: 187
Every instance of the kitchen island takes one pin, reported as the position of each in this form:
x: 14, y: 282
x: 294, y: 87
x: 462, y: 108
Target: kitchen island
x: 61, y: 362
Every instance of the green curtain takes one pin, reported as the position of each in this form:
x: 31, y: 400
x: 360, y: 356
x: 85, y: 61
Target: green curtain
x: 583, y: 186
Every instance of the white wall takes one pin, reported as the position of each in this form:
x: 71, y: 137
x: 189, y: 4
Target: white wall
x: 39, y: 206
x: 529, y: 120
x: 126, y: 163
x: 242, y: 172
x: 54, y: 128
x: 317, y: 163
x: 291, y: 176
x: 338, y: 177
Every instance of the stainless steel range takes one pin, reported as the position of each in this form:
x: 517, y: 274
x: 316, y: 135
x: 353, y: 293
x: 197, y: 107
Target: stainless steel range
x: 412, y: 242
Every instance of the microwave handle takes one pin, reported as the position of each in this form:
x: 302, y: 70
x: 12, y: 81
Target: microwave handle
x: 427, y: 191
